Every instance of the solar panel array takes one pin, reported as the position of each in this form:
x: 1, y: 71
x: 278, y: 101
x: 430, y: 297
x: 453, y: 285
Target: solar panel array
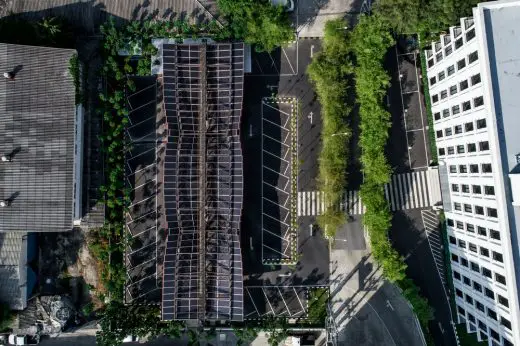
x: 203, y: 90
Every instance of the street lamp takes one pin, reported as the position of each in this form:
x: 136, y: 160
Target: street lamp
x: 340, y: 134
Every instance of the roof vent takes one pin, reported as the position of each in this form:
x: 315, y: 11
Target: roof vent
x: 6, y: 158
x: 4, y: 203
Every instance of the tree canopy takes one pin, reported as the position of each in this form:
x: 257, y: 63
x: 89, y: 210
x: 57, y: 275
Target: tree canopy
x: 257, y: 22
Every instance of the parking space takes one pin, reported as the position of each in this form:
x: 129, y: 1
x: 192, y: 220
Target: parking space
x: 141, y: 180
x: 278, y: 181
x: 278, y: 301
x: 282, y: 61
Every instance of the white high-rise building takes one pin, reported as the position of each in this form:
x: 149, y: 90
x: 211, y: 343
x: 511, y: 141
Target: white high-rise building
x: 474, y: 80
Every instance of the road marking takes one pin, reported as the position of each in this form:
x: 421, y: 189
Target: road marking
x: 312, y: 50
x: 440, y: 327
x: 388, y: 305
x: 310, y: 116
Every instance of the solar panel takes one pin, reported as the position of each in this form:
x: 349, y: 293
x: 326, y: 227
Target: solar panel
x: 203, y: 181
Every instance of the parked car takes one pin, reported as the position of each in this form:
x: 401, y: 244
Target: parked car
x: 288, y: 5
x: 131, y: 338
x: 23, y: 340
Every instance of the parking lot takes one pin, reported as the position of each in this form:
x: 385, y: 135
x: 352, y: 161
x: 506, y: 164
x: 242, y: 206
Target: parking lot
x: 282, y: 61
x: 278, y: 181
x: 141, y: 179
x: 278, y: 301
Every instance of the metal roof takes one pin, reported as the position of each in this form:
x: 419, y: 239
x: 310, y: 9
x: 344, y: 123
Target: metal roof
x: 37, y: 128
x: 203, y: 89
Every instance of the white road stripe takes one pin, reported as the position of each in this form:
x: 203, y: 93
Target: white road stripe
x: 415, y: 189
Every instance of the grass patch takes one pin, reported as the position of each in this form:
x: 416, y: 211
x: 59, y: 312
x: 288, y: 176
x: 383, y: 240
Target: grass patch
x: 317, y: 305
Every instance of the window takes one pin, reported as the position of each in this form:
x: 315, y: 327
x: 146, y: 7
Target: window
x: 472, y: 247
x: 486, y: 168
x: 448, y: 132
x: 458, y: 43
x: 494, y: 334
x: 441, y: 75
x: 484, y: 252
x: 453, y: 169
x: 494, y: 234
x: 463, y: 169
x: 439, y: 57
x: 444, y: 94
x: 449, y: 222
x: 468, y: 127
x: 479, y: 307
x: 461, y: 64
x: 458, y: 129
x: 455, y: 109
x: 451, y: 70
x: 451, y: 150
x: 448, y: 50
x: 466, y: 281
x: 459, y: 292
x: 454, y: 258
x: 492, y: 212
x: 473, y: 168
x: 439, y: 133
x: 470, y: 228
x: 482, y: 231
x: 475, y: 79
x: 469, y: 299
x: 474, y: 267
x: 502, y: 301
x: 456, y: 275
x: 453, y: 240
x: 457, y: 206
x: 478, y: 101
x: 464, y: 261
x: 472, y: 147
x: 492, y: 314
x: 477, y: 286
x: 486, y: 272
x: 500, y: 278
x: 453, y: 89
x: 471, y: 318
x: 476, y: 189
x: 506, y: 324
x: 463, y: 85
x: 460, y: 149
x: 433, y: 80
x: 435, y: 98
x: 483, y: 146
x: 461, y: 310
x: 473, y: 57
x: 455, y: 187
x: 498, y: 257
x: 442, y: 152
x: 437, y: 116
x: 489, y: 293
x: 479, y: 210
x: 507, y: 342
x: 481, y: 123
x: 430, y: 63
x: 466, y: 106
x: 462, y: 243
x: 470, y: 35
x: 465, y: 188
x: 445, y: 113
x: 460, y: 225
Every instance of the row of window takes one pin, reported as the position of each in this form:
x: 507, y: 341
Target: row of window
x: 458, y: 129
x: 485, y: 272
x: 454, y: 89
x: 486, y: 291
x: 475, y: 189
x: 456, y: 109
x: 483, y: 251
x: 449, y: 48
x: 472, y: 168
x: 468, y: 148
x: 461, y: 64
x: 475, y: 209
x: 482, y: 326
x: 470, y: 228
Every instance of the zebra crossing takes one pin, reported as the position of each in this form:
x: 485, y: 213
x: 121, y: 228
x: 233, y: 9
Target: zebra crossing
x: 419, y: 189
x: 431, y: 227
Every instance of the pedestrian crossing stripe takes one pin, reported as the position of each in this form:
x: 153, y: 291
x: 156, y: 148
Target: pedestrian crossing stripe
x: 412, y: 190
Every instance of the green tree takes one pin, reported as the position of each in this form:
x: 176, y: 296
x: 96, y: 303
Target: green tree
x: 6, y: 317
x: 257, y: 22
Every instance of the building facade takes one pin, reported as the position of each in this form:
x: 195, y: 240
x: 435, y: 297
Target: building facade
x: 474, y: 81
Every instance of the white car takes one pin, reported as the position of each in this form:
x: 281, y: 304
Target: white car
x: 131, y: 338
x: 288, y: 5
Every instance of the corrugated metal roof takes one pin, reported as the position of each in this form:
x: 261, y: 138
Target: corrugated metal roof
x: 37, y: 126
x: 13, y: 274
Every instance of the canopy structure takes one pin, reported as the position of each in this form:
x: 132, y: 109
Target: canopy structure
x: 203, y: 89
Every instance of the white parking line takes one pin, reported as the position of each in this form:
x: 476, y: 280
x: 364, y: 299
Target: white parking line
x: 265, y: 151
x: 275, y: 219
x: 276, y: 188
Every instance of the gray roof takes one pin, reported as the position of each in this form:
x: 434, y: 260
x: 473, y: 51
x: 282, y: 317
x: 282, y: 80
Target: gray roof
x: 37, y: 124
x: 13, y: 274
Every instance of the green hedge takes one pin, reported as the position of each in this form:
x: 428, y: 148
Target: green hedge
x: 427, y: 101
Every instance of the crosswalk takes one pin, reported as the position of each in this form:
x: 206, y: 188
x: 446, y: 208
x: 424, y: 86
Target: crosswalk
x: 431, y: 227
x: 412, y: 190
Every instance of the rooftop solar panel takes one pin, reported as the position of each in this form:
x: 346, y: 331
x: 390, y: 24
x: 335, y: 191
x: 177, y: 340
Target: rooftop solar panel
x: 203, y: 181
